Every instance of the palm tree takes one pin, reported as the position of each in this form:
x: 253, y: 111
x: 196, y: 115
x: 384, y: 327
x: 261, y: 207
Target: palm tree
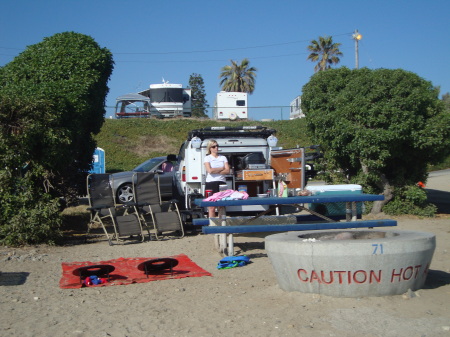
x: 324, y: 52
x: 239, y: 78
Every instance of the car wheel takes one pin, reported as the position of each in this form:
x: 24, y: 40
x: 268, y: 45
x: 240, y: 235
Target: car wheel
x: 125, y: 193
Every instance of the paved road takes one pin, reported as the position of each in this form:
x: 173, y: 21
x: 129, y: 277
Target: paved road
x: 438, y: 189
x: 440, y: 173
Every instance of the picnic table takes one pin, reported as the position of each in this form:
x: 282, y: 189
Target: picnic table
x: 225, y: 245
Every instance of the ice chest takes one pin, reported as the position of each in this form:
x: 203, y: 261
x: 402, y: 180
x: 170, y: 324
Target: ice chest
x: 332, y: 209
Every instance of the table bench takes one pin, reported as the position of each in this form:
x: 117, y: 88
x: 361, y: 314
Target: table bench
x: 297, y: 227
x: 225, y: 246
x: 301, y: 218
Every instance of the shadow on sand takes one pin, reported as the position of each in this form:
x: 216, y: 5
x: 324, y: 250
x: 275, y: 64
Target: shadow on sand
x: 13, y: 279
x: 436, y: 279
x: 441, y: 199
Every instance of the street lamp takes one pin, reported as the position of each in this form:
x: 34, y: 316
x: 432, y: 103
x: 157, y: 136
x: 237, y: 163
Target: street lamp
x: 356, y: 36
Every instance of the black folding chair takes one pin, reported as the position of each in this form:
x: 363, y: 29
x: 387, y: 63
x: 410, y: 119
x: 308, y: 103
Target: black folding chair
x: 128, y: 223
x: 101, y: 202
x: 103, y: 208
x: 164, y: 216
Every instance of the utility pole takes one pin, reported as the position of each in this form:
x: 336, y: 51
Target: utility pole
x: 356, y: 36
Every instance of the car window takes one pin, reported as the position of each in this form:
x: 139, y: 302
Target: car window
x: 182, y: 151
x: 148, y: 165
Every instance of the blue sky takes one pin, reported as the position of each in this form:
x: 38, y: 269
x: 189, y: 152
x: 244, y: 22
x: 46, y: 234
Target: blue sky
x: 151, y: 39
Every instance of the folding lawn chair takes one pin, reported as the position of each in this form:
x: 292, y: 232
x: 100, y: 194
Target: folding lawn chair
x: 103, y: 208
x: 164, y: 216
x: 130, y: 226
x: 128, y: 223
x: 101, y: 202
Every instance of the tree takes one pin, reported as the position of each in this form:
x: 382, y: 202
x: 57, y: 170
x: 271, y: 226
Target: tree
x: 238, y: 77
x: 52, y: 103
x: 380, y: 128
x: 446, y: 100
x: 324, y: 52
x: 199, y: 102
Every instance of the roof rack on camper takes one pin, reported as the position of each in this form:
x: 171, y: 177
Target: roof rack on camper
x: 255, y: 131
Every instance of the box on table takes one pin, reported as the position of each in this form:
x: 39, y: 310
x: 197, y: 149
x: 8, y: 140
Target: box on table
x: 331, y: 209
x: 255, y: 175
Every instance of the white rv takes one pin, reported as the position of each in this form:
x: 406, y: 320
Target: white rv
x: 169, y: 100
x: 296, y: 109
x: 231, y: 106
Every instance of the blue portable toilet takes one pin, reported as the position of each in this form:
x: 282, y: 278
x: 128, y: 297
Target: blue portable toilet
x: 98, y: 162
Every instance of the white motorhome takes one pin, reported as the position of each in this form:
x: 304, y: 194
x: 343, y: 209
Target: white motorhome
x: 230, y: 106
x: 169, y: 100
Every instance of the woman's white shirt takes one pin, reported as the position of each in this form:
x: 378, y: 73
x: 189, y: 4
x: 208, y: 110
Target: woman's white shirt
x: 215, y: 162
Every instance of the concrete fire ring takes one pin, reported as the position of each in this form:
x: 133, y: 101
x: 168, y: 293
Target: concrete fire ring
x: 351, y: 263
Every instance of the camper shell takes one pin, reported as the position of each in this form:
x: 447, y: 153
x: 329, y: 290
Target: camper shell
x: 132, y: 106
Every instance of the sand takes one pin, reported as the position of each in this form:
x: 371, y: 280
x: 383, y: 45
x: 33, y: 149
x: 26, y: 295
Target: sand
x: 245, y: 301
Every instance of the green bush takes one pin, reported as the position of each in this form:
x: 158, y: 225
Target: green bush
x: 52, y: 99
x: 410, y: 200
x: 387, y: 124
x: 28, y: 217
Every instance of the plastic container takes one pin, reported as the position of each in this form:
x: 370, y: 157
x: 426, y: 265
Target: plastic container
x: 335, y: 189
x: 272, y: 192
x: 242, y: 188
x: 330, y: 209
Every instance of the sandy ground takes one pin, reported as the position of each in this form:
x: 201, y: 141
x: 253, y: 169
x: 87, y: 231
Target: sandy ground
x: 242, y: 301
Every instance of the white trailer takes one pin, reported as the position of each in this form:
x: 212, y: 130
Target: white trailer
x: 231, y: 106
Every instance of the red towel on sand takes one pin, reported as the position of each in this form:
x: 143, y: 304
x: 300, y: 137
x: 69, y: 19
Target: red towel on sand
x: 127, y: 271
